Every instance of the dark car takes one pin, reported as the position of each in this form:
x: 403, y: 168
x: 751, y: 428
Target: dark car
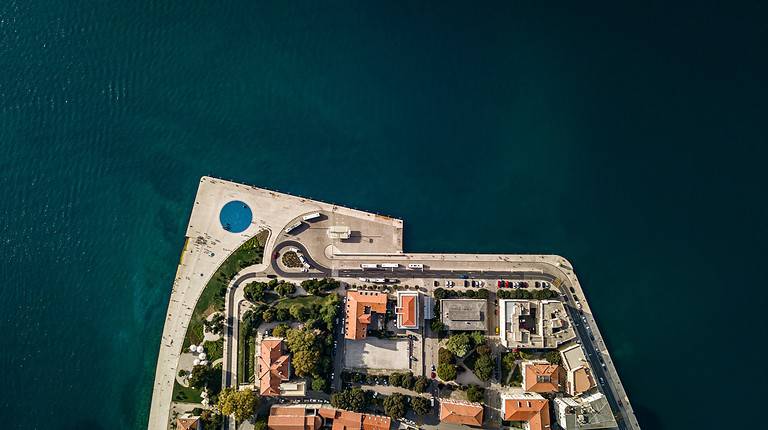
x: 572, y: 290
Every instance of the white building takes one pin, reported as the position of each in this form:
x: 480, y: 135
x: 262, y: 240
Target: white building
x: 534, y: 324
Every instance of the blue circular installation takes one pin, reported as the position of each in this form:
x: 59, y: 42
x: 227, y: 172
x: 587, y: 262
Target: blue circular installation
x: 235, y: 216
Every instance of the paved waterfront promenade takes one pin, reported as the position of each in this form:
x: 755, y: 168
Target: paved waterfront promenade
x: 375, y: 239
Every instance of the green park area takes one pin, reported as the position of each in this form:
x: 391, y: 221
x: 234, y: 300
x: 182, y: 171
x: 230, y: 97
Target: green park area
x: 212, y: 298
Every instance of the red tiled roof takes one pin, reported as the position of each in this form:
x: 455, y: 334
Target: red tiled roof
x: 274, y: 367
x: 533, y: 411
x: 360, y: 304
x: 542, y: 377
x: 407, y: 310
x: 288, y: 418
x: 459, y: 412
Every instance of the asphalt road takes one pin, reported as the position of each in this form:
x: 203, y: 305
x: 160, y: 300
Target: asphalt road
x: 583, y: 333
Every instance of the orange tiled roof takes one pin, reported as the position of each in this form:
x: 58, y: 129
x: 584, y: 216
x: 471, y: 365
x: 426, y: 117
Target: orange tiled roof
x: 542, y: 377
x: 407, y: 310
x: 274, y: 367
x: 360, y: 304
x: 533, y: 411
x: 582, y: 380
x: 286, y: 418
x: 347, y: 420
x: 458, y: 412
x: 187, y: 423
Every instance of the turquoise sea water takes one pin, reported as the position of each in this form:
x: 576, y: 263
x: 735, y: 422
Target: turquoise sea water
x: 630, y: 139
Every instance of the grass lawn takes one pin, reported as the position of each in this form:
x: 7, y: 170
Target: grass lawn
x: 246, y: 348
x: 215, y: 350
x: 212, y: 297
x: 302, y: 300
x: 185, y: 394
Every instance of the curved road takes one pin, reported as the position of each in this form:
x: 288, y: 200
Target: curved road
x: 583, y: 330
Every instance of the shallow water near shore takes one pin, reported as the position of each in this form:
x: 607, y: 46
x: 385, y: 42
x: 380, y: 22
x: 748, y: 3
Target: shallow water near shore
x: 631, y: 141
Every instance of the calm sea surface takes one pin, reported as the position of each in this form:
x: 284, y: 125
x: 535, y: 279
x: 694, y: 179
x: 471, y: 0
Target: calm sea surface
x: 631, y: 139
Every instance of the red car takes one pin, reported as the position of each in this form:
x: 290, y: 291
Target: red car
x: 506, y: 284
x: 433, y: 375
x: 500, y: 284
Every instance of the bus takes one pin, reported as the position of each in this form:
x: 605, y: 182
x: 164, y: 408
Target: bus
x: 311, y: 216
x: 416, y: 266
x: 369, y: 266
x: 292, y: 227
x: 390, y: 265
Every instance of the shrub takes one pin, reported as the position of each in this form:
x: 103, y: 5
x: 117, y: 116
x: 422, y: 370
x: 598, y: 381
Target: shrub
x: 446, y: 371
x: 475, y: 394
x: 421, y: 384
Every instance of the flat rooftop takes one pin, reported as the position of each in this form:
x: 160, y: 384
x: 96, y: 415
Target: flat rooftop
x: 464, y: 314
x: 534, y: 323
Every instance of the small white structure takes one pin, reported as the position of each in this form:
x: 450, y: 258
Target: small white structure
x: 196, y: 362
x: 203, y: 362
x: 202, y: 356
x: 200, y: 348
x: 339, y: 232
x: 192, y: 348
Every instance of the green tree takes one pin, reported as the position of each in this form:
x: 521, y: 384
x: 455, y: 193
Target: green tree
x: 243, y: 404
x: 421, y: 384
x: 319, y: 384
x: 394, y: 406
x: 260, y: 425
x: 475, y: 394
x: 216, y: 324
x: 299, y: 312
x: 268, y: 315
x: 446, y: 371
x: 478, y: 338
x: 407, y: 381
x: 305, y: 361
x: 210, y: 419
x: 282, y: 314
x: 280, y: 330
x: 553, y: 357
x: 459, y: 344
x: 353, y: 399
x: 285, y: 289
x: 484, y: 367
x: 201, y: 376
x: 420, y: 405
x: 445, y: 356
x: 395, y: 379
x: 254, y: 292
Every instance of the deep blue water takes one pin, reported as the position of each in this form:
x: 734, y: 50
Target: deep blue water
x: 629, y: 138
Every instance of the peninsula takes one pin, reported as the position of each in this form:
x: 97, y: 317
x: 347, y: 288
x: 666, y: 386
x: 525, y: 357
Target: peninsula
x: 291, y: 313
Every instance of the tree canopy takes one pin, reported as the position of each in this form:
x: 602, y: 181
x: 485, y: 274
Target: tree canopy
x: 421, y: 384
x: 484, y: 366
x: 446, y: 371
x: 243, y: 404
x: 420, y: 405
x: 475, y: 394
x: 394, y: 406
x: 459, y: 344
x: 353, y: 399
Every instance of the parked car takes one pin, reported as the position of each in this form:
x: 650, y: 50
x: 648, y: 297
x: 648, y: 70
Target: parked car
x: 500, y: 283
